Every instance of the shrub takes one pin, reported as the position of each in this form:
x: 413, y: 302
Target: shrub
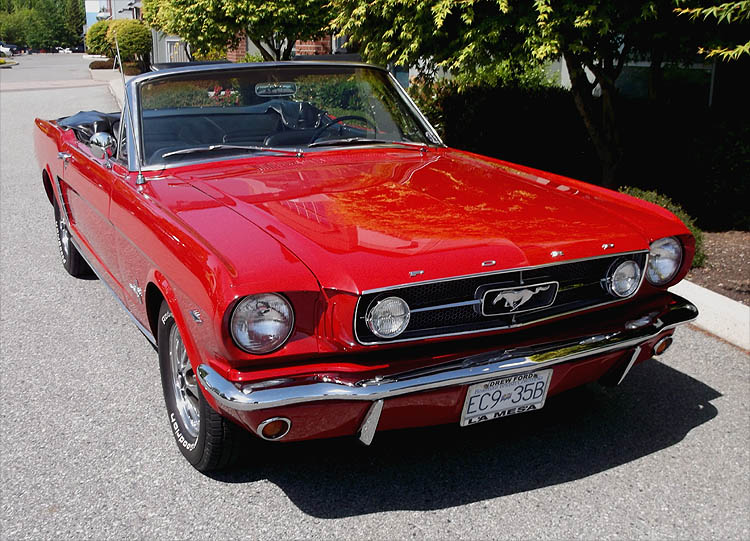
x: 96, y: 38
x: 213, y: 54
x: 130, y: 68
x: 664, y: 201
x: 133, y: 37
x: 252, y: 58
x: 101, y: 64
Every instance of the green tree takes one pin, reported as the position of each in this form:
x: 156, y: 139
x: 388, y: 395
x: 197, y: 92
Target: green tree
x: 475, y: 39
x: 272, y: 25
x: 734, y: 13
x: 75, y: 17
x: 17, y: 26
x: 42, y: 23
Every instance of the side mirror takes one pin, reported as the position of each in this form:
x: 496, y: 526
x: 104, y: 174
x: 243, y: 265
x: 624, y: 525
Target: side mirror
x: 102, y: 145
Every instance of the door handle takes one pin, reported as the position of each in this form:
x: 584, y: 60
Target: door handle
x: 64, y: 156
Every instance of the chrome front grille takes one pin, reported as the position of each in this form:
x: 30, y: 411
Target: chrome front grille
x: 454, y: 305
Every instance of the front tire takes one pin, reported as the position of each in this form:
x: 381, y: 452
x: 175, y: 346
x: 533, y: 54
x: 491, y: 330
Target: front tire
x: 206, y: 439
x: 72, y: 260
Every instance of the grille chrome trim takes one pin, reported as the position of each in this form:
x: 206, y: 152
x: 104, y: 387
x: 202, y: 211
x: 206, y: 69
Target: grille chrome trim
x: 515, y: 269
x: 444, y: 306
x: 614, y: 301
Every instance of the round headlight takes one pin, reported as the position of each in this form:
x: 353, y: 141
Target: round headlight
x: 624, y: 279
x: 664, y: 260
x: 389, y: 317
x: 262, y: 323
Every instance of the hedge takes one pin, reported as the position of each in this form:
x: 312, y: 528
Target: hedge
x: 133, y: 37
x: 663, y: 201
x: 96, y: 39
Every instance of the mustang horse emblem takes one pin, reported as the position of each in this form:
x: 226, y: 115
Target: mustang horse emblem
x: 516, y: 298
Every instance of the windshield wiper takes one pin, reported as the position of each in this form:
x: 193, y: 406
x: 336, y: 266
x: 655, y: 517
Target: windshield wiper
x: 356, y: 140
x: 193, y: 150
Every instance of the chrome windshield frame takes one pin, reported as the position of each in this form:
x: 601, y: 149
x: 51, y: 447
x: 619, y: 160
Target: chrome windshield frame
x: 132, y: 97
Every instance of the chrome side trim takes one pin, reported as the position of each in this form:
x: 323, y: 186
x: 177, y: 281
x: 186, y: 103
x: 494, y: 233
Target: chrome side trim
x: 463, y: 371
x: 138, y: 324
x: 370, y: 423
x: 631, y: 362
x: 63, y: 207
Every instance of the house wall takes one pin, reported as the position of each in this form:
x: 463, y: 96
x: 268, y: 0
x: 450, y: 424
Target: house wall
x: 238, y: 53
x: 318, y: 46
x: 167, y: 48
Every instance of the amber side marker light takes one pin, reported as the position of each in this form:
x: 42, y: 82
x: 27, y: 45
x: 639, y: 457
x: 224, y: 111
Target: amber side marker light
x: 662, y: 345
x: 274, y: 428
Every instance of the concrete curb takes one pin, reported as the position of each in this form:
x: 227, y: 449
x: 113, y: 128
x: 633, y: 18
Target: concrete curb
x: 117, y: 90
x: 107, y: 74
x: 719, y: 315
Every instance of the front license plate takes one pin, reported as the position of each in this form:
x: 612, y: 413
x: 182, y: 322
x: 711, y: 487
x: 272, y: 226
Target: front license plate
x: 505, y: 396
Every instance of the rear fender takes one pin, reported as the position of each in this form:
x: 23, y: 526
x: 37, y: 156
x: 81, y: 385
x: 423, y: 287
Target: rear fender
x: 48, y: 140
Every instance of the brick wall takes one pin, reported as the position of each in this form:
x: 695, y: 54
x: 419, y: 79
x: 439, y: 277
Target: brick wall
x: 236, y: 55
x: 318, y: 46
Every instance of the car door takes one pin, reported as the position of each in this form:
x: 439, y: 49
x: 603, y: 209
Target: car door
x: 88, y: 182
x: 128, y: 212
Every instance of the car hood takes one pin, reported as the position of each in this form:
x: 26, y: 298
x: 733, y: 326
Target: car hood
x: 370, y: 218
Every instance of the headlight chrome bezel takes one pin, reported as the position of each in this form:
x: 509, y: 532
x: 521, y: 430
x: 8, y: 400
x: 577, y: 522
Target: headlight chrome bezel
x: 371, y: 325
x: 273, y: 345
x: 654, y: 258
x: 616, y: 267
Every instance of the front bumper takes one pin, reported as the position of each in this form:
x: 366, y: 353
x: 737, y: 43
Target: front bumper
x: 632, y: 335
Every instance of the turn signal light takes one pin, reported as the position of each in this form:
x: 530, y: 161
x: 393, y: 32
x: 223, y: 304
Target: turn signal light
x: 274, y: 428
x: 662, y: 345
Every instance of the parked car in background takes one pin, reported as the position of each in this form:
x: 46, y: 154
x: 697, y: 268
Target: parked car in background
x: 8, y: 49
x: 311, y: 261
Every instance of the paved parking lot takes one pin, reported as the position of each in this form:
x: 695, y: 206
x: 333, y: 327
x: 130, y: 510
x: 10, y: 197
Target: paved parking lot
x: 85, y: 450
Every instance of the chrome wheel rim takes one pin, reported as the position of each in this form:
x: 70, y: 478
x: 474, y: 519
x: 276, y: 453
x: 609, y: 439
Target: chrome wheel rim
x: 64, y: 239
x: 184, y: 384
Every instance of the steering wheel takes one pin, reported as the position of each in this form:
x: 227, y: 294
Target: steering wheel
x: 330, y: 123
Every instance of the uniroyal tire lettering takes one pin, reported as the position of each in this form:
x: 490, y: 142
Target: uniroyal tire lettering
x: 178, y: 435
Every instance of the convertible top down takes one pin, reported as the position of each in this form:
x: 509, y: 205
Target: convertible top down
x: 310, y: 260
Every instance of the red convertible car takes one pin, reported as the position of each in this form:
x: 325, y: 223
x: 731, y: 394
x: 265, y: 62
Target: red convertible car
x: 311, y: 261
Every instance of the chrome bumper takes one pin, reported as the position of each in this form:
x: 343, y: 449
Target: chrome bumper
x: 463, y: 371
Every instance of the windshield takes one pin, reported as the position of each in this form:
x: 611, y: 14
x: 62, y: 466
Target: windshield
x: 250, y: 110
